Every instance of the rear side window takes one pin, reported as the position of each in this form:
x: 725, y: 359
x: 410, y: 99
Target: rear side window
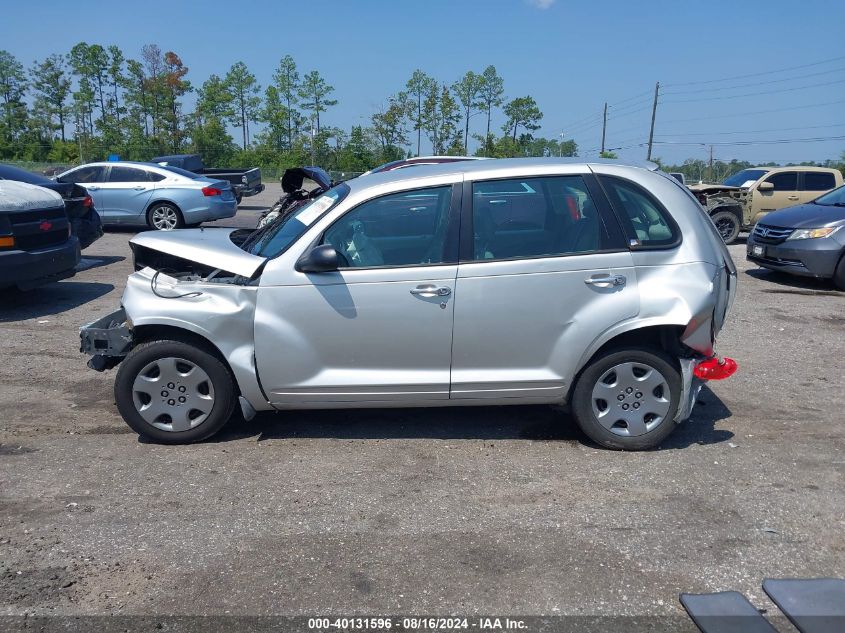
x: 127, y: 174
x: 646, y: 222
x: 536, y: 217
x: 784, y: 181
x: 818, y: 181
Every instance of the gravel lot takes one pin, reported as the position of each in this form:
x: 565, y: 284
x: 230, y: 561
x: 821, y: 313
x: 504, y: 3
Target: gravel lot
x: 488, y: 510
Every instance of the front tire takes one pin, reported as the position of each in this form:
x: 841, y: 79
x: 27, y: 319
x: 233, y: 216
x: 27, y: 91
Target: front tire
x: 728, y: 225
x: 174, y: 392
x: 163, y: 216
x: 839, y: 274
x: 627, y: 399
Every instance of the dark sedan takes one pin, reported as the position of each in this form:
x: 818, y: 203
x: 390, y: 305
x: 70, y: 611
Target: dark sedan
x: 808, y: 239
x: 84, y: 220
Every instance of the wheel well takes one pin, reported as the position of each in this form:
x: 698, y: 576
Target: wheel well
x: 144, y: 333
x: 161, y: 201
x: 666, y: 338
x: 736, y: 210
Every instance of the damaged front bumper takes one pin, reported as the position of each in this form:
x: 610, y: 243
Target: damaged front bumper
x: 107, y: 340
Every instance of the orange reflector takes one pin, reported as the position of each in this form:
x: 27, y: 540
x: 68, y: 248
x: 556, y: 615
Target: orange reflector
x: 715, y: 368
x: 6, y: 242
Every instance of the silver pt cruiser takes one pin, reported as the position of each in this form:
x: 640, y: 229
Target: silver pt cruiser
x: 596, y: 285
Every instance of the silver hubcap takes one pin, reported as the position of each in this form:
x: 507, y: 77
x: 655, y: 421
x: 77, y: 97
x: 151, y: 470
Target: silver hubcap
x: 164, y: 218
x: 631, y: 399
x: 173, y: 394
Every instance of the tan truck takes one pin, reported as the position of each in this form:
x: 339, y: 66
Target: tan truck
x: 745, y: 197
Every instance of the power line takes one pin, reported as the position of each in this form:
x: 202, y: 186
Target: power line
x: 759, y: 83
x: 777, y: 129
x: 755, y: 94
x: 768, y: 72
x: 737, y: 114
x: 817, y: 139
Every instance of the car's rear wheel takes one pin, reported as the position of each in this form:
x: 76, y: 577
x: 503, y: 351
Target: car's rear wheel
x: 627, y: 399
x: 174, y: 392
x: 728, y: 225
x: 839, y: 274
x: 164, y: 216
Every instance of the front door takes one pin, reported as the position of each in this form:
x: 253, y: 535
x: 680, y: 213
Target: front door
x: 380, y: 328
x: 785, y: 194
x: 545, y: 275
x: 92, y: 178
x: 124, y: 198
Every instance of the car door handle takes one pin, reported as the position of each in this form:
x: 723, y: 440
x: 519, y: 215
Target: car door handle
x: 92, y: 187
x: 606, y: 281
x: 430, y: 290
x: 792, y: 197
x: 139, y: 188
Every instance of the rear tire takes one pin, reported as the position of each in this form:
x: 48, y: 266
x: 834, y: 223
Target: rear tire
x: 839, y: 274
x: 163, y: 216
x: 627, y: 399
x: 728, y: 225
x: 174, y: 392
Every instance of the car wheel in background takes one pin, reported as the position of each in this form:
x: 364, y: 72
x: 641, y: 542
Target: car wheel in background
x: 174, y: 392
x: 627, y: 399
x: 839, y: 274
x: 728, y: 224
x: 163, y: 216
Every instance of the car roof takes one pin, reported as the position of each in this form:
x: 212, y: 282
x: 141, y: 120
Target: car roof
x: 488, y: 167
x: 793, y: 168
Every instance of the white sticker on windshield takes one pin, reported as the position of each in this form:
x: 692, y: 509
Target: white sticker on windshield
x: 315, y: 210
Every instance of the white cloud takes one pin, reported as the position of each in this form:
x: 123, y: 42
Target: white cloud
x: 541, y: 4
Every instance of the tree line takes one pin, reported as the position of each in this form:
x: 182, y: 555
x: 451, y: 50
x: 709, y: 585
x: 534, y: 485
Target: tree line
x: 95, y: 101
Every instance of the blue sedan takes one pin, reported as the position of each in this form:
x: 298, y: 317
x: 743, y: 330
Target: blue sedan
x: 163, y: 198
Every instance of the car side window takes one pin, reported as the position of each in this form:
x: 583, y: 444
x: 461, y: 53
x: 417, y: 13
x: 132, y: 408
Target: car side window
x: 784, y: 181
x: 119, y: 173
x: 535, y: 217
x: 818, y: 181
x: 645, y: 220
x: 154, y: 177
x: 91, y: 173
x: 408, y: 228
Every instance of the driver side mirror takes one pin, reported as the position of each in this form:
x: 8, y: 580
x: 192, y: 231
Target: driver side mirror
x: 765, y: 186
x: 321, y: 259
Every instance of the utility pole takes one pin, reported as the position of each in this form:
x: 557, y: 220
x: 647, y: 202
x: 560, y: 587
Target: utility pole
x: 711, y: 163
x: 653, y: 115
x: 604, y: 127
x: 560, y: 147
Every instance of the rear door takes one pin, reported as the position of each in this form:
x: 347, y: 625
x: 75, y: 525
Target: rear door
x: 124, y: 197
x: 815, y: 183
x: 544, y: 271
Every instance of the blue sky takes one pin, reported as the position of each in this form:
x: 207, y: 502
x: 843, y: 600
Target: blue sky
x: 571, y: 56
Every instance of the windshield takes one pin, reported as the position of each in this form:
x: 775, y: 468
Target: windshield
x: 280, y: 235
x: 833, y: 198
x: 745, y: 178
x: 181, y: 172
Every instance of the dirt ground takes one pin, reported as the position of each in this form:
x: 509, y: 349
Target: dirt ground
x: 487, y: 510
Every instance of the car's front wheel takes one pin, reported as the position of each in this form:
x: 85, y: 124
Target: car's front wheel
x: 163, y: 216
x: 839, y: 274
x: 627, y: 399
x: 174, y: 392
x: 728, y: 225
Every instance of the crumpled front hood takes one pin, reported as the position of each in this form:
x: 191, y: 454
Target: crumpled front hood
x: 805, y: 216
x: 210, y: 247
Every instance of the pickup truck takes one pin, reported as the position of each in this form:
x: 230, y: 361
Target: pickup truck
x: 741, y: 199
x: 36, y: 244
x: 245, y: 182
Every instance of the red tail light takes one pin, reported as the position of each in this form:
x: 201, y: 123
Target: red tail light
x: 715, y: 368
x: 211, y: 191
x: 88, y: 201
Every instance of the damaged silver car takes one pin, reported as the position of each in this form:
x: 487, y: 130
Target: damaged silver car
x: 596, y: 285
